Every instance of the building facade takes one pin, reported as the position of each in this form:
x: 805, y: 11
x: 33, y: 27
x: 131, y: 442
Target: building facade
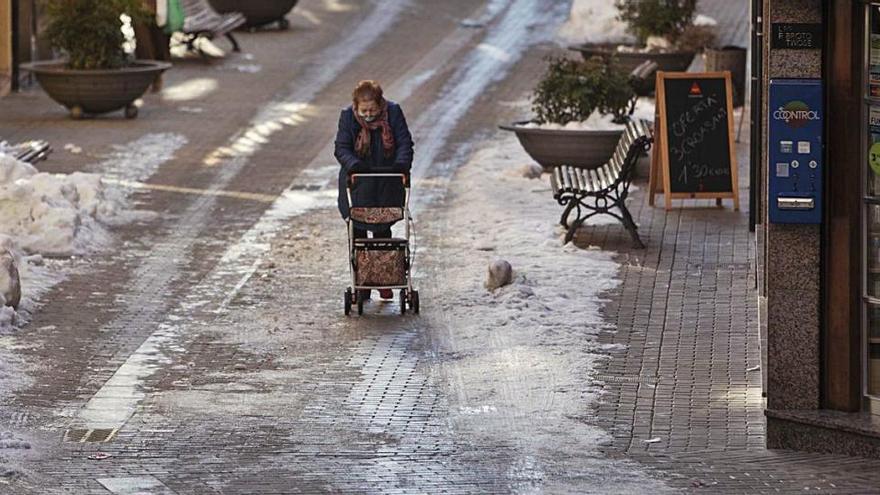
x: 822, y: 279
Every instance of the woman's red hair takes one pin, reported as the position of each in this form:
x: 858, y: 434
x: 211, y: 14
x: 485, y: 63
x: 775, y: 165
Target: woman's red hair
x: 367, y: 90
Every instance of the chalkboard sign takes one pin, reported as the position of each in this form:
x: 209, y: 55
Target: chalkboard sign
x: 693, y: 153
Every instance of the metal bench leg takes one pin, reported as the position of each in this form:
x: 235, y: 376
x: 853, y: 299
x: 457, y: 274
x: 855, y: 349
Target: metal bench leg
x: 575, y: 226
x: 235, y: 46
x: 574, y: 203
x: 630, y: 226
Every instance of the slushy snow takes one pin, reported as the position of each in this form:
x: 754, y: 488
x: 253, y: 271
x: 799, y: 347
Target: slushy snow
x: 540, y: 328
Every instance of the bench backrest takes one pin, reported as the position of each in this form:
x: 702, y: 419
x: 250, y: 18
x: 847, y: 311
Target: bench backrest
x: 626, y: 156
x: 200, y: 16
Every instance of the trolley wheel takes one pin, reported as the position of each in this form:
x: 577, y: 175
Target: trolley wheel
x: 360, y: 304
x: 348, y: 301
x: 283, y: 24
x: 414, y: 301
x: 131, y: 111
x: 76, y: 113
x: 403, y: 300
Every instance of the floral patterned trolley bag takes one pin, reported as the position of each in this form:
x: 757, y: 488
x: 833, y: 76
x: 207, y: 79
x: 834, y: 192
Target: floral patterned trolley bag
x: 380, y: 263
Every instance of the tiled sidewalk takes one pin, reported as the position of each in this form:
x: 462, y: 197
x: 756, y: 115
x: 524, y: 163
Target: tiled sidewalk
x: 683, y: 392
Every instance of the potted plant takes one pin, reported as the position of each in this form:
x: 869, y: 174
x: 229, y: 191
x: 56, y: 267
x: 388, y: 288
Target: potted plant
x: 664, y: 33
x: 581, y: 108
x: 98, y: 74
x: 258, y: 12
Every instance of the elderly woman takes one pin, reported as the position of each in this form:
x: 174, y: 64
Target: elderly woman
x: 372, y: 137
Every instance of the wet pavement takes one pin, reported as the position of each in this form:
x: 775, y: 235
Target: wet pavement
x: 206, y: 352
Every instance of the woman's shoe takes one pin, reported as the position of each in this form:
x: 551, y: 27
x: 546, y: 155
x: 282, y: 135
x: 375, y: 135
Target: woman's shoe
x: 386, y: 293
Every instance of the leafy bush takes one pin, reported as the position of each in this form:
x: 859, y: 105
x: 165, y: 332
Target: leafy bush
x: 572, y: 90
x: 89, y: 31
x: 664, y: 18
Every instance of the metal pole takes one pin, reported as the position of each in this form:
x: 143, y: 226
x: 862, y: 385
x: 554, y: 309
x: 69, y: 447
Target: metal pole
x: 14, y: 46
x: 756, y: 103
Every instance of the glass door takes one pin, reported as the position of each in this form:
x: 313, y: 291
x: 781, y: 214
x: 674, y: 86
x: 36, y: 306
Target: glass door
x: 871, y: 213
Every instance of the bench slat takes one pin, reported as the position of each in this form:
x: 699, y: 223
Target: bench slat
x: 594, y: 181
x: 607, y: 176
x: 575, y: 180
x: 601, y: 178
x: 587, y: 180
x: 556, y: 183
x: 616, y: 165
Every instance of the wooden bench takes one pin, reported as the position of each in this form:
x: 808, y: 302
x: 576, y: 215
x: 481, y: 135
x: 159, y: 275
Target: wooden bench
x: 202, y: 20
x: 600, y: 191
x: 28, y: 151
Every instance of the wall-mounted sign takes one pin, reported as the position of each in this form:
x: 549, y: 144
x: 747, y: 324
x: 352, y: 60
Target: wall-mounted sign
x: 796, y: 36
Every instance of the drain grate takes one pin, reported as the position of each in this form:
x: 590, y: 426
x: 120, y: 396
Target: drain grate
x: 97, y: 435
x: 650, y: 380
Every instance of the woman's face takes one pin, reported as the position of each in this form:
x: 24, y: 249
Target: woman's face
x: 368, y: 110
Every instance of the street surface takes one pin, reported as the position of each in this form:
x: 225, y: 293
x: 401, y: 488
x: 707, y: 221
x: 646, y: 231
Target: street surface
x: 206, y: 351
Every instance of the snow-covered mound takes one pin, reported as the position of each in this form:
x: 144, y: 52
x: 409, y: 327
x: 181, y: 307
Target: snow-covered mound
x: 594, y: 21
x: 51, y: 214
x: 645, y: 109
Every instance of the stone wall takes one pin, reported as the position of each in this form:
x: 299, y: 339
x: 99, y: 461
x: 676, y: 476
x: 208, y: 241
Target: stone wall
x: 793, y: 251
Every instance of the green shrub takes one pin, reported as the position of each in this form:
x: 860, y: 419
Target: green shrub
x: 664, y: 18
x: 572, y: 90
x: 89, y: 31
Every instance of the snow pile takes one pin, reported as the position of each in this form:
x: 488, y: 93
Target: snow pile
x: 704, y: 20
x: 51, y: 214
x: 594, y: 21
x: 595, y: 122
x: 598, y: 122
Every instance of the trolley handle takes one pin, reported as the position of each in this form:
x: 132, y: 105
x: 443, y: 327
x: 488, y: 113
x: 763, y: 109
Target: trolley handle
x: 404, y: 177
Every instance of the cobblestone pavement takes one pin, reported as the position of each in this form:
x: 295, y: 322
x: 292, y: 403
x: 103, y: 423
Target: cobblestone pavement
x: 208, y: 354
x: 684, y: 390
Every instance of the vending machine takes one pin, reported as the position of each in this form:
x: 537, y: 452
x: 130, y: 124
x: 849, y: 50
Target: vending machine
x: 796, y: 151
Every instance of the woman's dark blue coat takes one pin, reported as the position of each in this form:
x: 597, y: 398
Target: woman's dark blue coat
x: 373, y: 192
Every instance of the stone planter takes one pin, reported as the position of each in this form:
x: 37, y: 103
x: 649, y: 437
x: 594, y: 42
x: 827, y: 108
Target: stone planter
x: 257, y: 12
x: 552, y: 147
x: 96, y: 91
x: 627, y: 61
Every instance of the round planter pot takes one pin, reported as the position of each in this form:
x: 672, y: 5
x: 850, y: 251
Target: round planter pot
x: 96, y: 91
x: 627, y: 61
x: 552, y: 147
x: 257, y: 12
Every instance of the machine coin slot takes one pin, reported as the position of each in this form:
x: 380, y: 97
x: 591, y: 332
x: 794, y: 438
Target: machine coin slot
x: 795, y: 203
